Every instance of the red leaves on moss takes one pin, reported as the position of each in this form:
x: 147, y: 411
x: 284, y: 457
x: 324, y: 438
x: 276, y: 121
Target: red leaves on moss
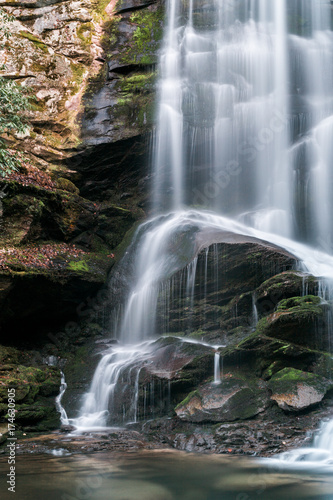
x: 47, y: 256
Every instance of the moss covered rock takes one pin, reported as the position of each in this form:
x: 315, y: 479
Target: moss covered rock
x: 233, y: 399
x: 231, y: 273
x: 35, y: 390
x: 300, y: 320
x: 295, y: 390
x: 283, y: 286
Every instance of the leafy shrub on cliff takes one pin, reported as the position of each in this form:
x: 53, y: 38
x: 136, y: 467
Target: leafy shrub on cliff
x: 13, y: 102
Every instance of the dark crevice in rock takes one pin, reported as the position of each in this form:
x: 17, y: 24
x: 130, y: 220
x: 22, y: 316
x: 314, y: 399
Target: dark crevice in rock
x: 18, y: 77
x: 133, y: 8
x: 34, y: 5
x: 126, y: 69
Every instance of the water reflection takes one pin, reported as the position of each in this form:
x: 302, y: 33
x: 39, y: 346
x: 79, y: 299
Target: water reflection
x: 162, y: 475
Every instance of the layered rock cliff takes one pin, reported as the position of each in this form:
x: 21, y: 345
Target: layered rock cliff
x: 90, y: 69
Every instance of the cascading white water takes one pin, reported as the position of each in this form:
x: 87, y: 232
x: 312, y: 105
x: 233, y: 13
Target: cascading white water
x: 117, y: 364
x: 246, y: 114
x: 320, y: 453
x: 223, y: 112
x: 217, y: 368
x: 245, y: 118
x: 53, y: 361
x: 60, y: 408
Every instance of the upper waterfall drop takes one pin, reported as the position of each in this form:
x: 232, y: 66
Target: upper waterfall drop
x: 223, y: 136
x: 245, y: 114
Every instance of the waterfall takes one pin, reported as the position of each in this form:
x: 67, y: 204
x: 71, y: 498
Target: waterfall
x: 54, y: 361
x: 118, y: 370
x: 217, y: 368
x: 255, y: 316
x: 60, y: 408
x: 243, y: 145
x: 320, y: 453
x: 246, y: 114
x: 223, y: 113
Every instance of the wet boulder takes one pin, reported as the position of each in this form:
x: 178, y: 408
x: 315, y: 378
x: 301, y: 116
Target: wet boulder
x: 295, y: 390
x: 233, y: 399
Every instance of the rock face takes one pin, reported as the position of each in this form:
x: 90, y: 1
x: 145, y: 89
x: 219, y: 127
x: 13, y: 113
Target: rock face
x: 226, y: 281
x: 91, y: 68
x: 57, y: 249
x: 83, y: 181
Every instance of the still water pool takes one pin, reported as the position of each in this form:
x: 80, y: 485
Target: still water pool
x: 163, y: 475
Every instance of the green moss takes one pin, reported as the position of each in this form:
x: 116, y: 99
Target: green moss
x: 78, y: 266
x: 83, y: 32
x: 100, y: 7
x: 78, y: 72
x: 8, y: 355
x: 291, y: 374
x: 140, y: 82
x: 146, y: 37
x: 67, y: 185
x: 111, y: 33
x: 29, y: 382
x: 297, y: 302
x: 272, y: 369
x: 288, y: 380
x: 36, y: 41
x: 188, y: 399
x: 197, y: 334
x: 77, y: 363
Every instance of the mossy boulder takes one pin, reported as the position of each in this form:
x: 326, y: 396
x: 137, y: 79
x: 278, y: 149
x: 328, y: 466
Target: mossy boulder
x: 35, y: 391
x: 295, y: 390
x: 38, y: 417
x: 234, y: 399
x: 67, y: 185
x: 227, y: 276
x: 283, y: 286
x: 300, y: 320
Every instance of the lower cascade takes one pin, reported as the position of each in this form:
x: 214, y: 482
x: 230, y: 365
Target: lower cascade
x: 321, y: 451
x: 241, y: 160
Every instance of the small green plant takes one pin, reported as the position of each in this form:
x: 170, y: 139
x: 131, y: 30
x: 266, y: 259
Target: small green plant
x: 79, y: 266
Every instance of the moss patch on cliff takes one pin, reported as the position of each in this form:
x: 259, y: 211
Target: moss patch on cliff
x: 147, y: 35
x: 146, y: 38
x: 136, y: 104
x: 36, y: 41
